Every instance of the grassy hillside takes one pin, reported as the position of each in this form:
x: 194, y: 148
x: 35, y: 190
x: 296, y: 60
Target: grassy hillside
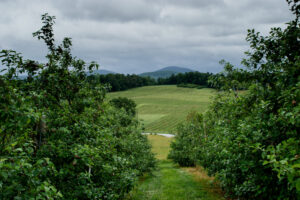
x: 161, y: 108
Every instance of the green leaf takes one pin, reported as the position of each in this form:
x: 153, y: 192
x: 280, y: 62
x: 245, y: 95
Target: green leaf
x: 298, y: 185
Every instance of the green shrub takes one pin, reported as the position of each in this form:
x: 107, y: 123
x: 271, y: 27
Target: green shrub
x: 58, y: 138
x: 250, y: 141
x: 122, y: 102
x: 183, y: 148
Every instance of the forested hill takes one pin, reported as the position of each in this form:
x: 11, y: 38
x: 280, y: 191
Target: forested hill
x: 176, y: 69
x: 166, y: 72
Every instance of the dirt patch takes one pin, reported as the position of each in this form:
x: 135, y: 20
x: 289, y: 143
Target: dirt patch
x: 209, y: 183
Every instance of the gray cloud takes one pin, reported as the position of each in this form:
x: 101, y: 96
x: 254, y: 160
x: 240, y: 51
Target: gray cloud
x: 113, y: 10
x: 134, y: 36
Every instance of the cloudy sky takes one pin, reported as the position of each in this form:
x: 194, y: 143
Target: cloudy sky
x: 134, y: 36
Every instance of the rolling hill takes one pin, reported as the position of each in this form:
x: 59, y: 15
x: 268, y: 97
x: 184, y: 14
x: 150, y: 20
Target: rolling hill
x: 162, y: 108
x: 176, y: 69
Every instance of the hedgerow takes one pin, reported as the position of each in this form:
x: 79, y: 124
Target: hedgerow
x: 59, y: 139
x: 250, y: 140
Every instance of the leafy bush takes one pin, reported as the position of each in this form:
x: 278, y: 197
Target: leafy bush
x: 58, y: 138
x: 250, y: 141
x: 187, y: 139
x: 122, y: 102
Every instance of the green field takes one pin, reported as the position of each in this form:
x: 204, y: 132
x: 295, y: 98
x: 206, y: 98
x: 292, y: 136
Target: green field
x: 160, y: 146
x: 161, y: 108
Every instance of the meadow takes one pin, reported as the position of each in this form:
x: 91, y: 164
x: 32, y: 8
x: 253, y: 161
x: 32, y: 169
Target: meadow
x: 161, y: 108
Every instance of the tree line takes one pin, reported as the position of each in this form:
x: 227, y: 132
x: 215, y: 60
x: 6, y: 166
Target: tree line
x: 120, y: 82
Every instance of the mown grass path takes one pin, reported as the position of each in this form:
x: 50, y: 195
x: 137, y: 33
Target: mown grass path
x: 170, y: 182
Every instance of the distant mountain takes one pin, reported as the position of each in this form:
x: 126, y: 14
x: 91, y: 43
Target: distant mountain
x: 166, y: 72
x: 102, y: 71
x: 176, y: 69
x: 158, y: 74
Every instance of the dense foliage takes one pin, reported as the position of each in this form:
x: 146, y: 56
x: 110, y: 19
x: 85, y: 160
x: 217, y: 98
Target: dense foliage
x: 127, y: 104
x: 250, y: 141
x: 187, y: 140
x: 59, y: 139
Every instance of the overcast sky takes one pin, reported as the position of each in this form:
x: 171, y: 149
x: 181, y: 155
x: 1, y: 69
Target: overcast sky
x: 134, y: 36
